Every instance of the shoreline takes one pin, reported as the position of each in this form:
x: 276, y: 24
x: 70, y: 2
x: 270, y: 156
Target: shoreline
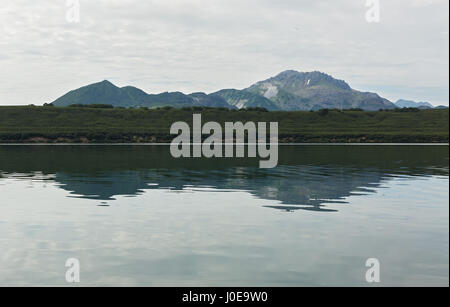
x: 278, y: 144
x: 46, y: 125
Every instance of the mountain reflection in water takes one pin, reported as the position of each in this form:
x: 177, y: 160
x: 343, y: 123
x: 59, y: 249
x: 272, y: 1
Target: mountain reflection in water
x: 307, y: 178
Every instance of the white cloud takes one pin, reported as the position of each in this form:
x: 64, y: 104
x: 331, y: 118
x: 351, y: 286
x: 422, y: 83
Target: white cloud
x: 205, y: 45
x: 421, y: 3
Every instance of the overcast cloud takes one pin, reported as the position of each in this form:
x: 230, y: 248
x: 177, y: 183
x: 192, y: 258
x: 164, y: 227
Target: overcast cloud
x: 207, y: 45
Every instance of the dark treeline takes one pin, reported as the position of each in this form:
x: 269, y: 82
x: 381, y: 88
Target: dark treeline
x: 102, y: 123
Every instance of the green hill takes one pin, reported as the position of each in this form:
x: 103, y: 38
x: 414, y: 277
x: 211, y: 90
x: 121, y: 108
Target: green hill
x: 86, y: 124
x: 288, y: 91
x: 245, y: 100
x: 292, y: 90
x: 107, y: 93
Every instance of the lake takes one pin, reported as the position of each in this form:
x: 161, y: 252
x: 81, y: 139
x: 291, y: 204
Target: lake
x: 132, y: 215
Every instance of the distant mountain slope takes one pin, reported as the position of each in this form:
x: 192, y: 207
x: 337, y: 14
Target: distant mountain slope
x: 412, y: 104
x: 103, y: 93
x: 244, y: 99
x: 288, y: 91
x: 204, y: 100
x: 107, y: 93
x: 292, y: 90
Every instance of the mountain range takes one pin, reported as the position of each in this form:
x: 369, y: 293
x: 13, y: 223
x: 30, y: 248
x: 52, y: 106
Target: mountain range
x: 412, y: 104
x: 288, y: 91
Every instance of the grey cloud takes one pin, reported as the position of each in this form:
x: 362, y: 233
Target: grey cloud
x: 203, y: 45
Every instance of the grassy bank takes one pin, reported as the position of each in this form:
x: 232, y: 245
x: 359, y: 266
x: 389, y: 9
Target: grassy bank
x: 98, y: 125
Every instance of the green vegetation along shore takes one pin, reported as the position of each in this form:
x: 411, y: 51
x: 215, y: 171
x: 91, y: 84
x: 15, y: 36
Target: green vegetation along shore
x: 33, y: 124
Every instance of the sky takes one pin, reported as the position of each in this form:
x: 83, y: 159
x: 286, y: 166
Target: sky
x: 207, y: 45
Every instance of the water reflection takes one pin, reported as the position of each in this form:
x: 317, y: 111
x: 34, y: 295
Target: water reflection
x: 307, y: 178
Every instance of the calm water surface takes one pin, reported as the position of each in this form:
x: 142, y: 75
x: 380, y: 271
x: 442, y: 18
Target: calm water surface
x: 133, y: 215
